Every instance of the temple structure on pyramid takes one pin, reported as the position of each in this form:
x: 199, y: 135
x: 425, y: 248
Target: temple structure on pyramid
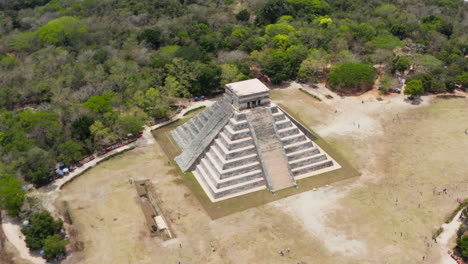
x: 244, y: 143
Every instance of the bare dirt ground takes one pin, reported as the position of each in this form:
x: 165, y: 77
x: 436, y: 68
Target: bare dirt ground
x: 406, y: 155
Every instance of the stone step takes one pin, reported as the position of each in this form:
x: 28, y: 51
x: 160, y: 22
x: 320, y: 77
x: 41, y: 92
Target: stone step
x: 238, y: 125
x: 203, y: 117
x: 226, y: 173
x: 278, y: 117
x: 289, y: 131
x: 186, y: 132
x: 232, y: 154
x: 230, y: 192
x: 313, y: 167
x: 223, y: 183
x: 234, y: 135
x: 240, y: 117
x: 306, y: 161
x: 193, y: 127
x: 227, y: 164
x: 298, y: 146
x: 239, y: 143
x: 198, y: 122
x: 293, y: 139
x: 180, y: 140
x: 283, y: 124
x: 182, y: 134
x: 215, y: 189
x: 302, y: 153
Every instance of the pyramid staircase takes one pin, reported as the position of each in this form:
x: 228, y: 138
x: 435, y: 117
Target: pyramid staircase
x: 304, y: 157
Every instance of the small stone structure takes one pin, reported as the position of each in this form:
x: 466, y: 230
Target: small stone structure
x: 243, y: 143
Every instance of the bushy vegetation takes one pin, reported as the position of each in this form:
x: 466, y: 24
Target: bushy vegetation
x: 77, y: 76
x: 42, y: 233
x: 352, y: 77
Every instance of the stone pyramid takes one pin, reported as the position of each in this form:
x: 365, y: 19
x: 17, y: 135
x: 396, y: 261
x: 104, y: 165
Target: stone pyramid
x: 243, y: 143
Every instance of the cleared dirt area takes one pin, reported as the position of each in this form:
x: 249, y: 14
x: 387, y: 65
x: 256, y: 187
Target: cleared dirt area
x: 406, y: 155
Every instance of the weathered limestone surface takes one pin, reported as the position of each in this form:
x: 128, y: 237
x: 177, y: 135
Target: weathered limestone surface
x: 193, y: 146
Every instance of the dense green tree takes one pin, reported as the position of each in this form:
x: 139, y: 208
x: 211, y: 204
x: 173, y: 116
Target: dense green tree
x: 36, y: 165
x: 152, y: 36
x: 276, y: 65
x: 437, y: 23
x: 296, y: 55
x: 129, y: 125
x: 54, y: 245
x: 385, y: 10
x: 281, y: 41
x: 62, y: 31
x: 180, y: 75
x: 429, y: 82
x: 402, y: 64
x: 351, y: 77
x: 414, y: 88
x: 41, y: 226
x: 243, y: 15
x: 365, y: 32
x: 230, y: 73
x: 426, y: 63
x: 303, y: 7
x: 11, y: 194
x: 462, y: 80
x: 399, y: 30
x: 80, y: 127
x: 208, y: 79
x: 312, y: 68
x: 385, y: 42
x: 102, y: 135
x: 99, y: 103
x: 272, y: 10
x: 25, y: 41
x: 278, y: 29
x: 69, y: 152
x: 462, y: 244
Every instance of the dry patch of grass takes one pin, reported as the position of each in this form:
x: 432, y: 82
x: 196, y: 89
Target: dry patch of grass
x: 419, y: 156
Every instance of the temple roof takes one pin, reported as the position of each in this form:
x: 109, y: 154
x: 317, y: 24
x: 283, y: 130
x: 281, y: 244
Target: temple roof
x: 252, y: 86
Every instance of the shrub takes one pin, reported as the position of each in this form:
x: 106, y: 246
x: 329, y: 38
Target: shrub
x: 62, y: 31
x: 41, y: 226
x: 352, y: 77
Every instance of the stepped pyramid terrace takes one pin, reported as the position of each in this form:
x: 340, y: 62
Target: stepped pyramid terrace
x: 244, y: 143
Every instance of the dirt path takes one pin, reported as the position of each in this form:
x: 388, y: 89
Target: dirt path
x: 446, y: 238
x: 12, y: 231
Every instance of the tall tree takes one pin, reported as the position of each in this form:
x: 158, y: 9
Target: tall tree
x: 414, y: 88
x: 11, y: 194
x: 62, y: 31
x: 54, y: 245
x: 41, y: 226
